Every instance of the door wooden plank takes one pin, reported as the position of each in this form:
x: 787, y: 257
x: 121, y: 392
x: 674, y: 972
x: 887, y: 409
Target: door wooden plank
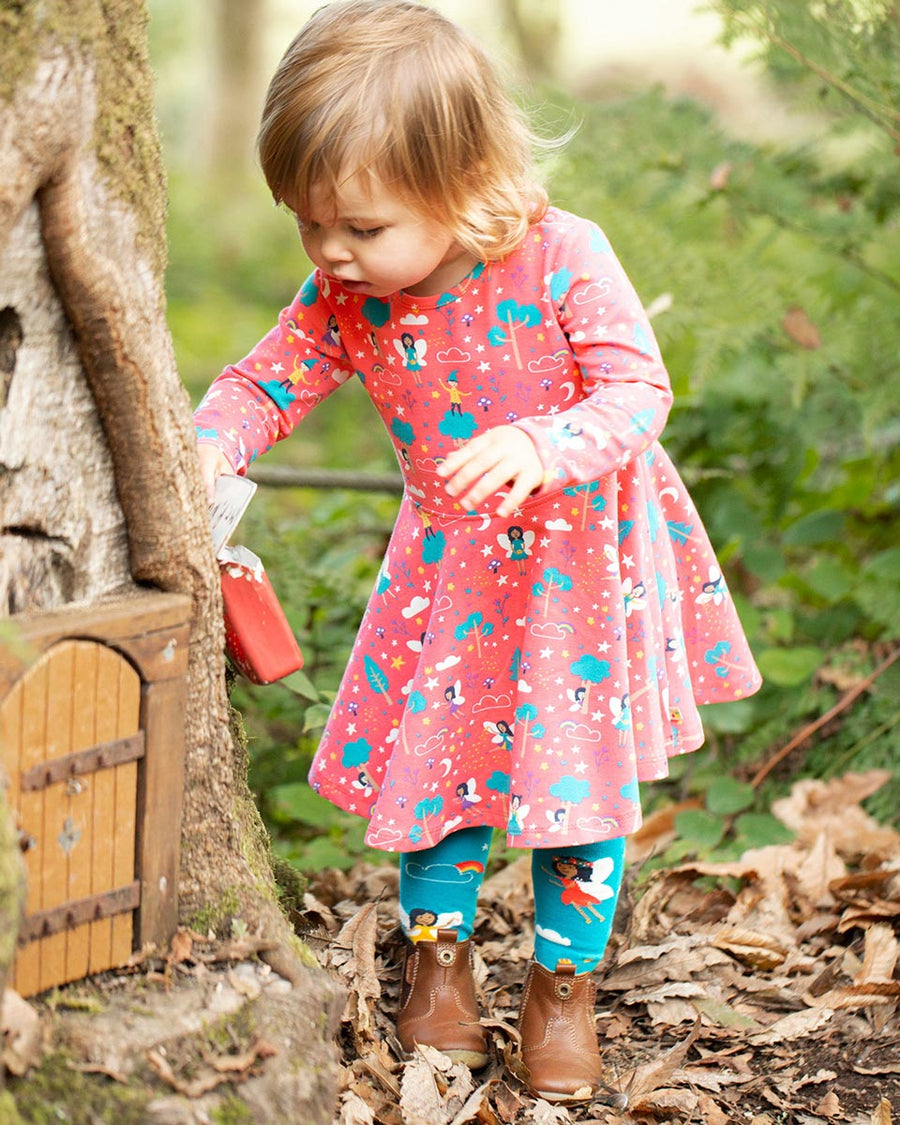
x: 80, y: 791
x: 106, y: 701
x: 60, y: 838
x: 160, y: 810
x: 124, y: 824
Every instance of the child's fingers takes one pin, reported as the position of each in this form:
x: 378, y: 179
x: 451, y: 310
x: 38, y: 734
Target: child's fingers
x: 497, y: 457
x: 213, y: 463
x: 522, y: 488
x: 488, y: 483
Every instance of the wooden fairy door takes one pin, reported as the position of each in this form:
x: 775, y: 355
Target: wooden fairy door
x: 70, y: 741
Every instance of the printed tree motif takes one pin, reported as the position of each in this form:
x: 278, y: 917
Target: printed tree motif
x: 355, y: 756
x: 526, y: 713
x: 716, y: 657
x: 431, y: 806
x: 570, y: 791
x: 554, y: 579
x: 433, y: 547
x: 512, y: 316
x: 591, y: 671
x: 498, y: 782
x: 475, y: 626
x: 403, y: 431
x: 680, y: 532
x: 590, y: 502
x: 417, y: 703
x: 378, y: 681
x: 515, y: 664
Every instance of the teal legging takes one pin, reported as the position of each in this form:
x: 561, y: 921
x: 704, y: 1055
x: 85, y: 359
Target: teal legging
x: 575, y: 894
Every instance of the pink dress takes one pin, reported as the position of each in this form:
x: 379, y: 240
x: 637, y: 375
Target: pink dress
x: 522, y: 673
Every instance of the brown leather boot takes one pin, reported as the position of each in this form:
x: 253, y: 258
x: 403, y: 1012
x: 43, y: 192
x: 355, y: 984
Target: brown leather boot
x: 559, y: 1041
x: 438, y: 1006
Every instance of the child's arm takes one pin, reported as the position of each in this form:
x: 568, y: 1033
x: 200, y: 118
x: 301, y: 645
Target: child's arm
x: 627, y: 389
x: 258, y: 401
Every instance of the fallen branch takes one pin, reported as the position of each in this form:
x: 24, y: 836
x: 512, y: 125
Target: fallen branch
x: 810, y: 729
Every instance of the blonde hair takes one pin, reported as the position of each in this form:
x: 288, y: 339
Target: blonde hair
x: 392, y: 89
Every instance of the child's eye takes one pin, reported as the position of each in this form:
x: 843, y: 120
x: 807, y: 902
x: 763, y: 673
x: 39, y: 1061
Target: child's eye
x: 364, y: 233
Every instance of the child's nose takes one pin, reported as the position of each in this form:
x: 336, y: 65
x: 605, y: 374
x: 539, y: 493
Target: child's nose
x: 335, y: 249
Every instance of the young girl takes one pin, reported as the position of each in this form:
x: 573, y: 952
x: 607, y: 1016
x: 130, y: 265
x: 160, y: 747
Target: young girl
x: 545, y: 549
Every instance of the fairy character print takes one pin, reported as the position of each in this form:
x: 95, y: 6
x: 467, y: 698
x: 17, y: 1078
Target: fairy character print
x: 572, y: 873
x: 456, y: 395
x: 517, y: 544
x: 517, y: 814
x: 468, y: 795
x: 412, y: 352
x: 502, y: 732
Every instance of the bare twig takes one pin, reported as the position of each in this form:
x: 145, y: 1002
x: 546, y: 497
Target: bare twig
x: 810, y: 729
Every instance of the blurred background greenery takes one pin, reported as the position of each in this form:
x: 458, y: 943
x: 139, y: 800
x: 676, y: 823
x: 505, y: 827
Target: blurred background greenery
x: 743, y: 160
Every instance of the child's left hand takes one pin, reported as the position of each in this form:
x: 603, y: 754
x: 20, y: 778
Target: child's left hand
x: 504, y: 455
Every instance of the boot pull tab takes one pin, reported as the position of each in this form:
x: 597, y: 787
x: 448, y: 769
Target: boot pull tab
x: 564, y: 977
x: 445, y: 954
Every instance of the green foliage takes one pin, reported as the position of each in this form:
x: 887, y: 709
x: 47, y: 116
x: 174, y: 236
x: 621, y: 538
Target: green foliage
x: 729, y: 822
x: 775, y: 274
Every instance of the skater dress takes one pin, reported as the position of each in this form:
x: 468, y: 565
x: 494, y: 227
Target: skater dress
x: 524, y: 673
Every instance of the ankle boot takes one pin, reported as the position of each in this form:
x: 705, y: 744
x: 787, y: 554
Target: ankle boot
x: 559, y: 1041
x: 438, y: 1006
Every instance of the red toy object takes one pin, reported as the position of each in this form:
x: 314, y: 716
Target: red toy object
x: 258, y: 638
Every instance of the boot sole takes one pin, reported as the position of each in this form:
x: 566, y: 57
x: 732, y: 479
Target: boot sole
x: 474, y: 1060
x: 583, y: 1094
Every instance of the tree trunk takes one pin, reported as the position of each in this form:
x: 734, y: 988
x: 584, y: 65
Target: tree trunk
x: 99, y: 485
x: 536, y: 27
x: 238, y: 88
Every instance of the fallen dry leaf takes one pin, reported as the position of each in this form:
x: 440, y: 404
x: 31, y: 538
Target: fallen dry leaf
x: 795, y: 1026
x: 880, y: 959
x: 829, y: 1106
x: 355, y: 1111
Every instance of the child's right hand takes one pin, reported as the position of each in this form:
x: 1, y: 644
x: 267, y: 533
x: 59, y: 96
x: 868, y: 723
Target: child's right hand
x: 213, y: 463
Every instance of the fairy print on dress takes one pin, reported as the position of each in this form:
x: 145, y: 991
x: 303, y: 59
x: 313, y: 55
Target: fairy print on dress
x: 517, y: 813
x: 467, y: 794
x: 502, y: 733
x: 412, y: 352
x: 517, y: 544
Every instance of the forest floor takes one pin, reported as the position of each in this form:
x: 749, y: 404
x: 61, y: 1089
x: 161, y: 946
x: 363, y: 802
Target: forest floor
x: 763, y: 991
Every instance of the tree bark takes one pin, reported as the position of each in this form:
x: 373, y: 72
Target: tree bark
x: 99, y: 485
x: 238, y: 89
x: 536, y: 27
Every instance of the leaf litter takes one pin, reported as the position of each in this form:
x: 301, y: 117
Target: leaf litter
x: 763, y: 990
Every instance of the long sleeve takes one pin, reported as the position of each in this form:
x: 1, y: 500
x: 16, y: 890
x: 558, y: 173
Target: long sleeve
x: 626, y: 388
x: 259, y: 401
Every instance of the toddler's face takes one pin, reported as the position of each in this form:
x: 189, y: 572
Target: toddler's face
x: 371, y: 241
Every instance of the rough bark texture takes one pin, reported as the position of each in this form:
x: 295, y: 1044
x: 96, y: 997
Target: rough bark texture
x: 99, y: 485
